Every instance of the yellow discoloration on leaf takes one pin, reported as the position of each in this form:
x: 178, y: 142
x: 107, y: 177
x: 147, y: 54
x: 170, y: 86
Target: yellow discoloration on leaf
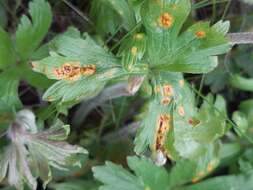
x: 195, y: 180
x: 173, y: 6
x: 211, y: 165
x: 165, y: 20
x: 134, y: 50
x: 200, y: 174
x: 200, y: 34
x: 157, y: 89
x: 181, y: 83
x: 138, y: 36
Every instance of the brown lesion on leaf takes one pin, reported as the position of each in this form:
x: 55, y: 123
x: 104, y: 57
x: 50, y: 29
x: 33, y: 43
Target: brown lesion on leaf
x: 72, y: 71
x: 200, y: 34
x: 193, y: 121
x: 165, y: 20
x: 163, y: 127
x: 88, y: 70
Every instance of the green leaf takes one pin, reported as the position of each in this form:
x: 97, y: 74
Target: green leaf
x: 75, y: 185
x: 3, y: 16
x: 116, y: 177
x: 7, y: 52
x: 153, y: 177
x: 182, y: 172
x: 109, y: 15
x: 241, y: 83
x: 30, y: 33
x: 241, y: 121
x: 9, y: 83
x: 147, y: 175
x: 235, y: 182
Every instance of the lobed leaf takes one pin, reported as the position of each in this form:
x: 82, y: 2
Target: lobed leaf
x: 30, y: 33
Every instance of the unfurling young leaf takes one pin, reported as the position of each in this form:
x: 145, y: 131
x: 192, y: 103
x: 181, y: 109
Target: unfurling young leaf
x: 31, y: 152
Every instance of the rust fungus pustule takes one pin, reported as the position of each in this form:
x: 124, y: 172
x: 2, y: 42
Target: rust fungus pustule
x: 200, y: 34
x: 165, y: 20
x: 163, y: 126
x: 166, y: 101
x: 167, y: 90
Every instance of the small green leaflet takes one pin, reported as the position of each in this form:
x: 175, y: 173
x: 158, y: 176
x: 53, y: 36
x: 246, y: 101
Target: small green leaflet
x: 7, y: 52
x: 31, y: 152
x: 30, y: 33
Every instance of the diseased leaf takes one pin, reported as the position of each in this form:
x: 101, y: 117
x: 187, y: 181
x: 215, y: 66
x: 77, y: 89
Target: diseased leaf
x: 170, y: 51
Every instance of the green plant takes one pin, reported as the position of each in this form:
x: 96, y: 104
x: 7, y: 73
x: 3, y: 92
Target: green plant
x: 159, y: 49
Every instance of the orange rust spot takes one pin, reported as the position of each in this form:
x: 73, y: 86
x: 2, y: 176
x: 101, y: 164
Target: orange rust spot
x: 167, y: 90
x: 181, y: 111
x: 166, y: 101
x: 163, y: 126
x: 88, y: 70
x: 200, y: 34
x: 68, y: 71
x: 134, y: 50
x: 165, y: 20
x: 73, y: 71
